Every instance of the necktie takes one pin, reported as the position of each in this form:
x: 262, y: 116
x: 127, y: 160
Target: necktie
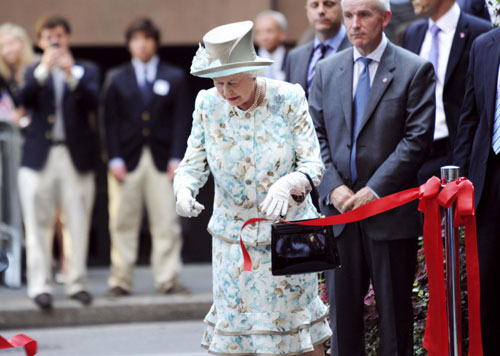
x: 360, y: 100
x: 146, y: 87
x: 434, y: 53
x: 321, y: 49
x: 495, y: 139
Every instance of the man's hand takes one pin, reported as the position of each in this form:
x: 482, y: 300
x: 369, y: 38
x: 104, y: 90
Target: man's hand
x: 50, y: 57
x: 119, y: 172
x: 339, y: 196
x: 171, y: 167
x: 362, y: 197
x: 65, y: 61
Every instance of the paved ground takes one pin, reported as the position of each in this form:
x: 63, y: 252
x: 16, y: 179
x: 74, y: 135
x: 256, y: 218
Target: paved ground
x: 17, y: 311
x: 132, y: 339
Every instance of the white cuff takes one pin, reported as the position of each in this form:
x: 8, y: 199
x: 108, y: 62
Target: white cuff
x: 41, y: 74
x: 116, y: 162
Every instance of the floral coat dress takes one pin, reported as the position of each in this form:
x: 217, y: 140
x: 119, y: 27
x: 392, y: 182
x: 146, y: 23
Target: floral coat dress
x: 246, y: 152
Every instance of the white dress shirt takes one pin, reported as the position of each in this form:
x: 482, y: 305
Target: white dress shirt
x: 275, y: 70
x: 375, y: 56
x: 140, y: 68
x: 448, y: 25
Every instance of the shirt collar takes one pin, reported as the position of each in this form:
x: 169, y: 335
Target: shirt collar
x: 332, y: 42
x: 376, y: 54
x: 278, y: 53
x: 449, y: 21
x: 153, y: 62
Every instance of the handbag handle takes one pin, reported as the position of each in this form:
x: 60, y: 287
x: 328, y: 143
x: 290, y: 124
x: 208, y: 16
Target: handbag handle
x: 314, y: 193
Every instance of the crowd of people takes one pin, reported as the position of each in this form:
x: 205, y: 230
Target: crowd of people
x: 370, y: 105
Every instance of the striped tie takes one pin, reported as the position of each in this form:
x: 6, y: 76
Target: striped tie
x: 495, y: 139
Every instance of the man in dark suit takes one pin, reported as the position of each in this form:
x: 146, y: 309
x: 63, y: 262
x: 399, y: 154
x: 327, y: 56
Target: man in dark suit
x: 477, y: 8
x: 325, y: 16
x: 444, y: 38
x: 58, y: 159
x: 147, y: 123
x: 477, y: 153
x: 373, y: 109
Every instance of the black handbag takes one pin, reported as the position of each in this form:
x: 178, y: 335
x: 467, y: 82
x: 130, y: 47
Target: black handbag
x: 297, y: 249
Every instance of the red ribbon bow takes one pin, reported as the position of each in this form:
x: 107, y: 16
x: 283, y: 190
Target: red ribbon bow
x: 20, y: 340
x: 461, y: 192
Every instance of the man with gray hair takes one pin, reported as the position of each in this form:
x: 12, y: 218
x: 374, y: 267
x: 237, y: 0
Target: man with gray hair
x: 269, y: 34
x: 373, y: 110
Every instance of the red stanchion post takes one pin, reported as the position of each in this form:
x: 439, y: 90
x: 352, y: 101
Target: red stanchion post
x: 448, y: 174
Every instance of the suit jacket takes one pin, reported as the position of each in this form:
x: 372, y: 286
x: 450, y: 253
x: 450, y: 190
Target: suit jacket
x: 478, y: 111
x: 395, y: 133
x: 163, y: 123
x: 468, y: 28
x: 297, y: 62
x: 79, y: 113
x: 475, y: 7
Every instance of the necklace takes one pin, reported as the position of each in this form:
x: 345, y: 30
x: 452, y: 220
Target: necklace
x: 256, y: 100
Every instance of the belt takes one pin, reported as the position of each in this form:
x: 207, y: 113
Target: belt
x: 57, y: 142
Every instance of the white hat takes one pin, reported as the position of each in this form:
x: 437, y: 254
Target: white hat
x: 228, y: 50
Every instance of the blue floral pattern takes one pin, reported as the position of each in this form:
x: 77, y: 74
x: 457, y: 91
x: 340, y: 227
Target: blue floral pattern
x: 254, y: 312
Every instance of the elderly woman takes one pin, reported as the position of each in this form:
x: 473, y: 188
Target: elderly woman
x: 257, y: 139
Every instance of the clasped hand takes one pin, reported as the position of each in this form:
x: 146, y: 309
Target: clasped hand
x: 344, y: 199
x: 186, y: 205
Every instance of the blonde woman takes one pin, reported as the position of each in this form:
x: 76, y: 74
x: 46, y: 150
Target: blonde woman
x: 16, y: 53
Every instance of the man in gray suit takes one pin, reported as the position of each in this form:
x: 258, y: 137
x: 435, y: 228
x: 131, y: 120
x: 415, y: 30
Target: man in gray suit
x: 373, y: 108
x: 325, y: 16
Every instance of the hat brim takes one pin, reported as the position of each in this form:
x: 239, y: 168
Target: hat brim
x: 233, y: 68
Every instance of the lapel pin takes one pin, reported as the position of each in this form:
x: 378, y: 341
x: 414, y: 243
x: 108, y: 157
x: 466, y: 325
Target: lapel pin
x: 462, y: 35
x: 384, y: 80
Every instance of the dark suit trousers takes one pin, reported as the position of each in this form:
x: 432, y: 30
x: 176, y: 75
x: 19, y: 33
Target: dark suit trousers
x: 488, y: 246
x: 391, y: 266
x: 439, y: 155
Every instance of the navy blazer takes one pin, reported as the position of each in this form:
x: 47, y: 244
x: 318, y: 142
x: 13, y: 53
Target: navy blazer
x: 297, y: 62
x: 79, y: 112
x: 475, y: 7
x: 468, y: 29
x: 478, y: 111
x: 163, y: 123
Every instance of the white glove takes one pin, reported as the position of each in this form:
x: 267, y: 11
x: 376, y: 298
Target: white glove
x: 186, y: 205
x: 276, y: 202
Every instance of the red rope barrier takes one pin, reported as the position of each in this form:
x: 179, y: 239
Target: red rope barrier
x: 460, y: 192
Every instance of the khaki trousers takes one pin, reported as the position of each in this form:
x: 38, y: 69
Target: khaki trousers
x: 57, y: 185
x: 145, y: 185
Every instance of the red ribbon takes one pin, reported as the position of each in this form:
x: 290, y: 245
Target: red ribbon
x: 460, y: 192
x: 20, y: 340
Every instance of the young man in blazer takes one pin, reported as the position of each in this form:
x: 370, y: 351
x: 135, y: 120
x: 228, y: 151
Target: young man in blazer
x: 58, y: 160
x: 373, y: 109
x: 147, y: 124
x: 477, y: 153
x: 444, y: 38
x: 325, y: 16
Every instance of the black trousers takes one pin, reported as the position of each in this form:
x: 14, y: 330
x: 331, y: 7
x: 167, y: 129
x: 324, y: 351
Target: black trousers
x: 391, y: 266
x: 488, y: 246
x: 440, y: 155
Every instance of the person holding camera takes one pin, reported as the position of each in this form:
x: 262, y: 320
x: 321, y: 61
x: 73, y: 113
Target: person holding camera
x: 58, y: 159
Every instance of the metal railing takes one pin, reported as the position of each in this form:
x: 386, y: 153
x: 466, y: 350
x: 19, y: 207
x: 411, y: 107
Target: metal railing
x: 11, y: 230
